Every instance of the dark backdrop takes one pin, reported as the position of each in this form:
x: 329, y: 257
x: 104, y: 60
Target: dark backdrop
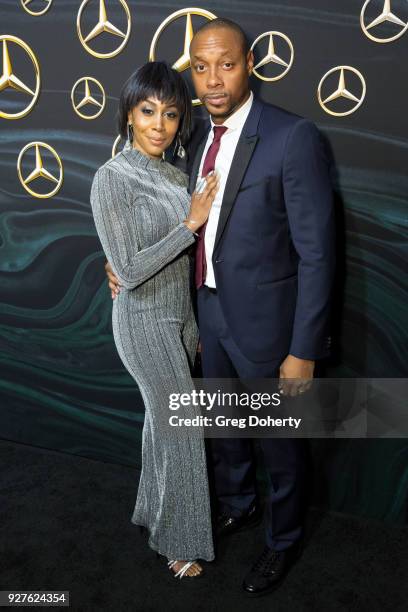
x: 61, y: 384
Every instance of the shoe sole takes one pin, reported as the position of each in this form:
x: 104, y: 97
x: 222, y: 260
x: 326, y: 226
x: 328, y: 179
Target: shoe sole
x: 266, y: 591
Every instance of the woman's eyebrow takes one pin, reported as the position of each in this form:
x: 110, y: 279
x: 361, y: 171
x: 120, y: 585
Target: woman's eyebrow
x: 171, y: 105
x: 167, y: 104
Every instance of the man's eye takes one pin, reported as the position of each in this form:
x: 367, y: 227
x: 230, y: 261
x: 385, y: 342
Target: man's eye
x: 199, y: 67
x: 228, y: 65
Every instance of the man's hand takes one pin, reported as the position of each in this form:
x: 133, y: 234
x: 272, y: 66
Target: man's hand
x: 113, y: 282
x: 295, y: 375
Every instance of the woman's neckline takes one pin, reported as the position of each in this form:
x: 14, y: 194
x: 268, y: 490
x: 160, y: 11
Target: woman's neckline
x: 141, y: 159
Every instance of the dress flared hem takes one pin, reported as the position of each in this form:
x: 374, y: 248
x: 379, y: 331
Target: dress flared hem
x: 168, y: 555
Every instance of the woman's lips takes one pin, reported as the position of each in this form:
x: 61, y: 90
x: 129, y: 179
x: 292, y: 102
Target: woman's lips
x: 157, y: 142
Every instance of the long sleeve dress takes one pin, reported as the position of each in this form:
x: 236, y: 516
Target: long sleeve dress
x: 139, y: 205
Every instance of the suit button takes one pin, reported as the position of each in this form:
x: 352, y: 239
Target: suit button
x: 218, y: 260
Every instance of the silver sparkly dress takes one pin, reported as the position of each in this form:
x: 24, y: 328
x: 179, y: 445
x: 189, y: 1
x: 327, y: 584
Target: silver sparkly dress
x: 138, y: 204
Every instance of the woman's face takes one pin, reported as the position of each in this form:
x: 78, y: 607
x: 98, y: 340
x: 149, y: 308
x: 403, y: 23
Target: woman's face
x: 155, y: 125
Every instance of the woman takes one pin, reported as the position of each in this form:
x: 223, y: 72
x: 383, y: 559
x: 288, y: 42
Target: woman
x: 146, y: 221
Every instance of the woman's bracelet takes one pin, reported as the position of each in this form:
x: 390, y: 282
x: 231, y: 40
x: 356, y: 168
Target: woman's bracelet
x: 186, y: 221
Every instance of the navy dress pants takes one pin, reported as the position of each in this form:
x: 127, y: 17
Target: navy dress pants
x: 232, y: 461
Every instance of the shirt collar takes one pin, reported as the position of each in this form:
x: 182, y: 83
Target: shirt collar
x: 237, y: 119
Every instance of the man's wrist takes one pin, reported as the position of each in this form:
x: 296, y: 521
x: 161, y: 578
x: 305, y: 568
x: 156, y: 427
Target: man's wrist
x: 301, y: 358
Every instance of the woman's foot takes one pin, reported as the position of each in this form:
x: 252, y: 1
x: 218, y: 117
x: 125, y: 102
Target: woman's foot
x: 185, y: 568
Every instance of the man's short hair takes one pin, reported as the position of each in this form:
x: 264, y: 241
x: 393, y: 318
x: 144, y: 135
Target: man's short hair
x: 221, y: 22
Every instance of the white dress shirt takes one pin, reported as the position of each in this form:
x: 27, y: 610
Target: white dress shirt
x: 228, y: 144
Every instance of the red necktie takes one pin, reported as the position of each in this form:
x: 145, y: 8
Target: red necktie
x: 208, y: 166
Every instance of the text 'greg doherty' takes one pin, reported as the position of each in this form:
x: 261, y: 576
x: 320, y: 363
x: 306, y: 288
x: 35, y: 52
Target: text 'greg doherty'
x: 242, y: 423
x: 206, y: 400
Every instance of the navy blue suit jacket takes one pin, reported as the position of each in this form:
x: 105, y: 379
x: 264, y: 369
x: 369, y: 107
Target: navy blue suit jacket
x: 274, y: 248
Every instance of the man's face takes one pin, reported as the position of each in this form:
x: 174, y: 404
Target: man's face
x: 220, y: 71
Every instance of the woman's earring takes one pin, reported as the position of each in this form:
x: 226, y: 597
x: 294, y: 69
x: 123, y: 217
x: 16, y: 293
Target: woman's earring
x: 130, y: 132
x: 181, y: 152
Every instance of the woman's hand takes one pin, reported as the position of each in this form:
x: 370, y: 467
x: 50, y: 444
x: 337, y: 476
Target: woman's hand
x: 113, y: 281
x: 201, y: 202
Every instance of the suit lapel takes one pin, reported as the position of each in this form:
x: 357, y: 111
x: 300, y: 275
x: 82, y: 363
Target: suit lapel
x: 242, y: 156
x: 243, y: 153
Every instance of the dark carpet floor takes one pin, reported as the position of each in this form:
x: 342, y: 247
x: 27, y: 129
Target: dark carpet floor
x: 65, y: 523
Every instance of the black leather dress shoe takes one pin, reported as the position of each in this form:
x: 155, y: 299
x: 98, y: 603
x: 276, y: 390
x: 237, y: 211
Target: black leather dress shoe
x: 269, y: 571
x: 231, y: 524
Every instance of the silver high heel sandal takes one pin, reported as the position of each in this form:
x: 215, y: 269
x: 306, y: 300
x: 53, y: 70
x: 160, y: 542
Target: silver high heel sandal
x: 182, y: 570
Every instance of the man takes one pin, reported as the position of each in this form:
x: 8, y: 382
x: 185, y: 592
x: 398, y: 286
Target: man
x: 264, y: 269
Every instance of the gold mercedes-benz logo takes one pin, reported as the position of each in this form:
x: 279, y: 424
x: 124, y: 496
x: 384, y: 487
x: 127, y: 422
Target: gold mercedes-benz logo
x: 183, y: 61
x: 87, y: 98
x: 272, y: 57
x: 386, y: 16
x: 115, y: 145
x: 9, y: 80
x: 25, y: 4
x: 342, y: 91
x: 103, y: 25
x: 39, y: 170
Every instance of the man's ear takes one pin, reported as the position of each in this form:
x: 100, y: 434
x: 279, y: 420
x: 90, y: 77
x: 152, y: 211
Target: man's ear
x: 250, y: 61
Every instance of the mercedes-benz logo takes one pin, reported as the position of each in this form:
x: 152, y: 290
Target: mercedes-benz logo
x: 87, y: 98
x: 183, y: 62
x: 386, y: 16
x: 9, y: 80
x: 103, y: 25
x: 25, y: 3
x: 115, y: 145
x: 341, y: 91
x: 272, y: 57
x: 39, y: 170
